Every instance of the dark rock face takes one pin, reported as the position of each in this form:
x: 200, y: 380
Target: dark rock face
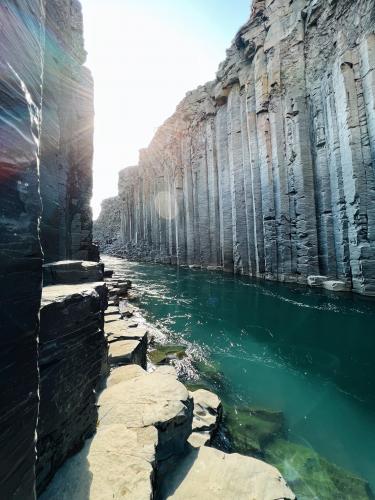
x: 20, y: 250
x: 71, y: 350
x: 269, y: 170
x: 38, y: 158
x: 67, y: 137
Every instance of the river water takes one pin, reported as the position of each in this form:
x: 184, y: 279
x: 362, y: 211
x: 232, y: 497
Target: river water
x: 308, y: 353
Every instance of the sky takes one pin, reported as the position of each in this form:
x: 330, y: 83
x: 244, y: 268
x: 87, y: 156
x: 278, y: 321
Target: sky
x: 145, y: 55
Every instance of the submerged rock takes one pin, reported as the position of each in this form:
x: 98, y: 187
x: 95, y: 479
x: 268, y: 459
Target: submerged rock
x: 313, y: 477
x: 167, y: 353
x: 252, y: 429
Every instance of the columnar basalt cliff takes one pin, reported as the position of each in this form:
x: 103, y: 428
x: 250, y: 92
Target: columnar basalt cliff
x: 46, y: 116
x: 269, y: 170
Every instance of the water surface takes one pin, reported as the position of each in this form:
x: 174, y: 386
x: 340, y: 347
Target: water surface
x: 308, y: 353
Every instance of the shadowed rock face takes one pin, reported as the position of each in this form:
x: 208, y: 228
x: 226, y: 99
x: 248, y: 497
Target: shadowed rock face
x: 66, y: 137
x: 38, y: 158
x: 269, y: 170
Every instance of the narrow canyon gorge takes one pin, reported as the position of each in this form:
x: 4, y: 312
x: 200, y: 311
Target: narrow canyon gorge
x: 266, y: 172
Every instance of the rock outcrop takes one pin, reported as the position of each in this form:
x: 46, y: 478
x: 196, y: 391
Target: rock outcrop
x: 46, y: 142
x: 269, y: 170
x: 71, y: 351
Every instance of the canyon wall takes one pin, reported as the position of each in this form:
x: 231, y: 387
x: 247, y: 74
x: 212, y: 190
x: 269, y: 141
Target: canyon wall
x: 66, y: 137
x: 269, y: 170
x: 38, y: 159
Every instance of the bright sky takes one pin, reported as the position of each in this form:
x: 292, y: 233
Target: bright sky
x: 145, y: 55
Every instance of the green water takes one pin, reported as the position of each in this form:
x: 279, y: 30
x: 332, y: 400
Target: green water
x: 307, y: 353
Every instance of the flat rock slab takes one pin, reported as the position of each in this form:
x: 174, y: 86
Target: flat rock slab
x: 117, y: 463
x: 140, y: 399
x: 125, y: 352
x: 213, y: 475
x: 72, y: 271
x: 62, y: 293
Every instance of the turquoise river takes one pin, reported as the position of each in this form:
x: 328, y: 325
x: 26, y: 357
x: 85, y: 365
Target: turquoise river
x: 309, y: 354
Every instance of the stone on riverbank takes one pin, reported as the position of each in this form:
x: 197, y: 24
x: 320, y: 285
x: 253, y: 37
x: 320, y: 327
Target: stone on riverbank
x: 207, y: 415
x: 336, y: 286
x: 213, y: 475
x: 143, y: 399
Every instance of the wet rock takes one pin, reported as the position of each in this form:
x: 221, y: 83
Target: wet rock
x: 311, y: 476
x: 214, y: 475
x: 167, y: 353
x: 316, y: 280
x: 336, y: 286
x: 251, y: 429
x: 72, y: 352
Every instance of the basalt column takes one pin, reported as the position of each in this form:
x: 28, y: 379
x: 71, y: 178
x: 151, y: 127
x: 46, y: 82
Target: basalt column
x: 276, y: 157
x: 21, y: 59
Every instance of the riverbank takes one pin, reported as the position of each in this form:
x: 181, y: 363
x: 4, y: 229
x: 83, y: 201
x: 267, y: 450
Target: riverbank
x: 270, y: 347
x: 151, y: 431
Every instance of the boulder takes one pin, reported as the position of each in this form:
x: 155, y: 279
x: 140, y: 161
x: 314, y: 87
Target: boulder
x: 316, y: 280
x: 207, y: 411
x: 144, y: 399
x: 213, y: 475
x: 336, y: 286
x: 126, y: 352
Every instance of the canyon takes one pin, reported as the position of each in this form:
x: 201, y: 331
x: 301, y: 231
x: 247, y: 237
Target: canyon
x: 268, y: 170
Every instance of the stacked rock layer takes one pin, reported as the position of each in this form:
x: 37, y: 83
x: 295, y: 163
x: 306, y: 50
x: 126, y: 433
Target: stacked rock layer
x: 45, y: 184
x: 269, y: 170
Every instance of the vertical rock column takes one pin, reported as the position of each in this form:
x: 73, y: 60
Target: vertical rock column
x: 21, y: 58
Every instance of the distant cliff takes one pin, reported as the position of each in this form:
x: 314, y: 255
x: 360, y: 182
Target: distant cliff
x: 107, y: 231
x: 269, y: 170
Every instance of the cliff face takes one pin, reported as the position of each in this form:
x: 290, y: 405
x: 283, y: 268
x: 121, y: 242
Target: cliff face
x: 40, y: 165
x: 270, y: 169
x: 107, y: 232
x: 66, y: 136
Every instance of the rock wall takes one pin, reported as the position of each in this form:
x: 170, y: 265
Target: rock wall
x: 71, y: 348
x: 269, y: 170
x: 67, y: 137
x: 28, y: 147
x: 107, y: 234
x: 20, y: 249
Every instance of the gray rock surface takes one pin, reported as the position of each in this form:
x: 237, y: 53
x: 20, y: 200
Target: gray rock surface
x: 107, y: 227
x: 72, y: 350
x: 72, y: 271
x: 46, y: 140
x: 213, y: 475
x: 20, y: 249
x: 269, y: 170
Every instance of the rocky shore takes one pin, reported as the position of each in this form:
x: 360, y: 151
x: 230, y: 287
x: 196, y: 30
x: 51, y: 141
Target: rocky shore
x: 152, y: 432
